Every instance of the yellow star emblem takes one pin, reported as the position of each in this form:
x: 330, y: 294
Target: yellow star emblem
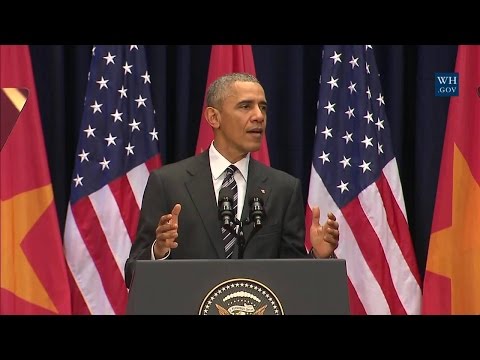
x: 454, y: 252
x: 18, y: 215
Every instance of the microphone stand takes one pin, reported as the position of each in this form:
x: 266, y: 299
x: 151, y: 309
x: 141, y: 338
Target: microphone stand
x: 242, y: 242
x: 230, y: 222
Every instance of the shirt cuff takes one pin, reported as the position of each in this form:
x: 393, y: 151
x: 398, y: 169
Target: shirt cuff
x: 312, y: 254
x: 153, y: 252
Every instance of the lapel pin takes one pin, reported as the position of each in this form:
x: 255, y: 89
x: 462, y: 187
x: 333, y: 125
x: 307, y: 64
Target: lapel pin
x: 262, y: 191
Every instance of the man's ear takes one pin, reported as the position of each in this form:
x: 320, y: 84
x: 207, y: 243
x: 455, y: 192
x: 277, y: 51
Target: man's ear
x: 212, y: 116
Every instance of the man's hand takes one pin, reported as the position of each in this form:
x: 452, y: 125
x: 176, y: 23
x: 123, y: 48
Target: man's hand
x: 324, y: 238
x: 167, y: 232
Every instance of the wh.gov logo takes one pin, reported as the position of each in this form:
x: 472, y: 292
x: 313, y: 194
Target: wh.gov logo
x: 446, y: 84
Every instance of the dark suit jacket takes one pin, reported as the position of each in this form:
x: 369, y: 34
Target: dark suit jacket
x: 189, y: 183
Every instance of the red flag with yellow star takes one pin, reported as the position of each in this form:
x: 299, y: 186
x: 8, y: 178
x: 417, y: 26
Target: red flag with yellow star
x: 32, y: 263
x: 225, y: 59
x: 452, y: 277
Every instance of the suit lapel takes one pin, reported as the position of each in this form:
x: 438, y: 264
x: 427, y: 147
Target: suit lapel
x: 201, y: 191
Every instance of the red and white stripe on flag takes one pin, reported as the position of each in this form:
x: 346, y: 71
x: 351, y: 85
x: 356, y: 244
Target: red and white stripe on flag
x: 355, y: 175
x: 99, y: 233
x: 117, y: 150
x: 381, y: 265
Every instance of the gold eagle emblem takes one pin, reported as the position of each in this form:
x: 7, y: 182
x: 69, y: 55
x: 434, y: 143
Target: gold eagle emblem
x: 223, y: 311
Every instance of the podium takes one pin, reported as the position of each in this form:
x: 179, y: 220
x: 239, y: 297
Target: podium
x: 239, y: 287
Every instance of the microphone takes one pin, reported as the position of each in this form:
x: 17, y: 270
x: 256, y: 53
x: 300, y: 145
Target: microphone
x: 225, y: 206
x: 257, y: 213
x: 256, y: 216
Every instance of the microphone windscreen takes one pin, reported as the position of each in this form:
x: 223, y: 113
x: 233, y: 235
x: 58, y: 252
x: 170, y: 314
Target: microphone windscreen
x: 225, y: 193
x: 257, y: 196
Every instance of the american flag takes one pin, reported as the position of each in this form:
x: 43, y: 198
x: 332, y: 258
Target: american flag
x: 355, y: 175
x: 117, y: 149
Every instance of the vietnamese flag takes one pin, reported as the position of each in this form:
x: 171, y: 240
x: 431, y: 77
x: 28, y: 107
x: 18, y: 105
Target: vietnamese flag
x: 452, y: 278
x: 225, y: 59
x: 32, y: 263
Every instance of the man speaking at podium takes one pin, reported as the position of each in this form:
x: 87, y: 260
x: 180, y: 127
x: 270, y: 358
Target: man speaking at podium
x: 222, y: 203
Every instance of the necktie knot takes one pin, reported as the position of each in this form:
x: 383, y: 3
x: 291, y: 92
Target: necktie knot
x: 231, y: 170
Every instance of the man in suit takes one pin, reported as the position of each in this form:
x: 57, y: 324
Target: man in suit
x: 179, y: 216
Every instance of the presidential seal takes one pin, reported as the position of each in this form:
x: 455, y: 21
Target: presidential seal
x: 241, y: 297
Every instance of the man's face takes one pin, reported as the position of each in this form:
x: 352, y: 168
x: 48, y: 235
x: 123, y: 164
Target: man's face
x: 242, y: 119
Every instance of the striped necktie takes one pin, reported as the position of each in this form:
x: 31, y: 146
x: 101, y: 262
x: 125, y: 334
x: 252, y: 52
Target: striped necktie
x: 229, y: 238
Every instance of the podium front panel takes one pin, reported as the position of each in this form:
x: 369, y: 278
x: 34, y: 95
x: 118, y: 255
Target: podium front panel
x: 230, y: 287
